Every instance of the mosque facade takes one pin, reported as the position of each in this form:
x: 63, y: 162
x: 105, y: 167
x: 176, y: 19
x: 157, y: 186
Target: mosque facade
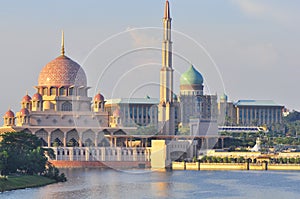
x: 62, y: 114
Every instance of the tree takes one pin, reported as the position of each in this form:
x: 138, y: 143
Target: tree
x: 293, y: 116
x: 22, y: 152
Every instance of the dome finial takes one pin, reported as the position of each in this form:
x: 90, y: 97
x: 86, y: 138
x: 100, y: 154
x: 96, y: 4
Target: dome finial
x: 62, y: 43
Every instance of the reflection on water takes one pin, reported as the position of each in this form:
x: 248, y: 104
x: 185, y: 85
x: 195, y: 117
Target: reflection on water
x: 100, y: 183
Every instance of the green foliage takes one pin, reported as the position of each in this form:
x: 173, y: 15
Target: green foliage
x: 53, y: 173
x: 213, y: 159
x: 23, y: 181
x: 293, y: 116
x: 21, y: 152
x: 146, y: 130
x: 184, y: 130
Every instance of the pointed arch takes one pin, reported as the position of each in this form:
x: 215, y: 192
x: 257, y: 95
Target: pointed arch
x: 66, y: 106
x: 88, y: 138
x: 43, y: 135
x: 119, y: 132
x: 57, y: 138
x: 72, y: 138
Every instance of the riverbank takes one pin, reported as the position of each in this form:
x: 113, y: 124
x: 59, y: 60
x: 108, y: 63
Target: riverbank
x: 22, y: 182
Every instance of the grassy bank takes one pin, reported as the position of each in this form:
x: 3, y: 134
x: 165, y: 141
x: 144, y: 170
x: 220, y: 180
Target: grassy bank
x: 21, y: 182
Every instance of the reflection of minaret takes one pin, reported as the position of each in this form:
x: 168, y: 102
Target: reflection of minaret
x: 166, y: 115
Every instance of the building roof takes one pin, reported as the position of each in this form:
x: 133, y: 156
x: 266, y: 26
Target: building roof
x: 256, y: 103
x: 9, y: 114
x: 133, y: 101
x: 99, y: 98
x: 26, y: 98
x: 6, y: 130
x: 37, y: 97
x: 62, y: 71
x: 191, y: 77
x: 224, y: 97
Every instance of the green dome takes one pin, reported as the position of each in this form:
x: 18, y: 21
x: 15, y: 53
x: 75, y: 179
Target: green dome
x: 224, y: 97
x: 191, y: 76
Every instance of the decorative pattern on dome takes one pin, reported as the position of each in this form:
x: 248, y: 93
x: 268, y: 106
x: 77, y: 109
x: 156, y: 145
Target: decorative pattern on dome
x: 191, y: 77
x: 62, y: 71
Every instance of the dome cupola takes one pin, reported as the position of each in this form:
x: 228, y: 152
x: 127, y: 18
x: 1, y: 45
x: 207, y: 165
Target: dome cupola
x: 9, y: 118
x: 26, y: 98
x: 9, y: 114
x: 191, y: 77
x: 24, y: 112
x: 37, y: 97
x: 99, y: 98
x: 62, y: 71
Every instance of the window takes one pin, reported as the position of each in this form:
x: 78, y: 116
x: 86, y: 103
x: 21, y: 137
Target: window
x: 71, y: 91
x: 53, y: 91
x: 62, y: 91
x: 66, y: 106
x: 45, y: 91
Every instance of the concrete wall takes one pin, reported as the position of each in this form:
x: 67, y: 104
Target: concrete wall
x: 158, y: 154
x: 232, y: 166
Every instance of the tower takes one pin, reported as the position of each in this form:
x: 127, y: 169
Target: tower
x: 166, y: 116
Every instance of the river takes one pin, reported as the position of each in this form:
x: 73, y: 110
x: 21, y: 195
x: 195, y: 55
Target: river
x: 105, y: 183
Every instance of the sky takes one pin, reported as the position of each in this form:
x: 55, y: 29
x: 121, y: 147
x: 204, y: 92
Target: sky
x: 248, y: 49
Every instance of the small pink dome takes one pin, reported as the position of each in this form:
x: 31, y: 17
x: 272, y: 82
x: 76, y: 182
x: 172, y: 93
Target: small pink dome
x: 24, y: 112
x: 9, y: 113
x: 99, y: 98
x: 37, y: 97
x: 26, y: 98
x: 117, y: 113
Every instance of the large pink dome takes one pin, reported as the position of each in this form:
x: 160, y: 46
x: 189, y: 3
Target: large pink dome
x: 62, y: 71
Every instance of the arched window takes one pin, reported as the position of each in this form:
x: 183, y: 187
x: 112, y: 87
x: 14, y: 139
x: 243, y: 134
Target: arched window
x: 71, y: 91
x: 45, y: 91
x: 62, y: 91
x: 66, y: 106
x: 53, y: 91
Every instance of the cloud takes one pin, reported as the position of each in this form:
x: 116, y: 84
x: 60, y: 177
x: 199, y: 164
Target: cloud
x: 143, y: 37
x: 261, y: 9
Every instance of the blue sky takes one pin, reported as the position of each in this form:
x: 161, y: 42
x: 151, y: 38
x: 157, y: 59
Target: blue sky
x: 254, y: 44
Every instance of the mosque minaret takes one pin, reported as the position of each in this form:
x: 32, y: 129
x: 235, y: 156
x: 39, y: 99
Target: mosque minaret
x: 166, y: 115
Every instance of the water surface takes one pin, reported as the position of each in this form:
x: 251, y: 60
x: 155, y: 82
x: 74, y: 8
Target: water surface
x: 99, y: 183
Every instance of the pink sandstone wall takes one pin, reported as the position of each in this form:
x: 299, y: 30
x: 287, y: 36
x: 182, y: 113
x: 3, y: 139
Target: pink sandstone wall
x: 98, y: 164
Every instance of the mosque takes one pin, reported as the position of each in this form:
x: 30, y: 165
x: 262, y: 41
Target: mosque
x: 83, y: 129
x: 62, y: 114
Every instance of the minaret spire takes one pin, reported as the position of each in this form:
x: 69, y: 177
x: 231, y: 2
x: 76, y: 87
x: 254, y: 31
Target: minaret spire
x: 167, y: 10
x: 62, y: 43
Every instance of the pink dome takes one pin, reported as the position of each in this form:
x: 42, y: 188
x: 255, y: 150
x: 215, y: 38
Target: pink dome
x: 37, y: 97
x: 62, y: 71
x: 26, y: 98
x: 99, y: 98
x: 24, y: 112
x: 9, y: 113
